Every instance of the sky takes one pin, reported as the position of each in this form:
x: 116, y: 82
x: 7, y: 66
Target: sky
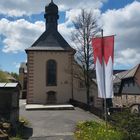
x: 22, y: 22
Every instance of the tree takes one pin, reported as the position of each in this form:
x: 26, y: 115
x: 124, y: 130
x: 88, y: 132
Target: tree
x: 15, y: 75
x: 8, y: 77
x: 3, y: 77
x: 85, y: 28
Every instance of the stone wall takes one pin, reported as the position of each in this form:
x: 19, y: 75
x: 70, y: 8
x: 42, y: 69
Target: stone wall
x: 81, y: 96
x: 126, y: 100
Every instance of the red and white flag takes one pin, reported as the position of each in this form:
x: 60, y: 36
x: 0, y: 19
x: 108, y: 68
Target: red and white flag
x: 103, y: 49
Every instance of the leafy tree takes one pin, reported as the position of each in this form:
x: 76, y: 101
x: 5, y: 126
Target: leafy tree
x: 85, y: 28
x: 15, y: 75
x: 4, y: 76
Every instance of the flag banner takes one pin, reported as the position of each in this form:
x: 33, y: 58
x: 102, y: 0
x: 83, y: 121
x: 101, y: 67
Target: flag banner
x: 97, y: 43
x: 108, y: 55
x: 103, y: 49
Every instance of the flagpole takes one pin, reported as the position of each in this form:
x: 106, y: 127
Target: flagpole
x: 103, y: 64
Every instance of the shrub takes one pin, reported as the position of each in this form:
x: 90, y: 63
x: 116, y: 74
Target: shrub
x: 24, y: 121
x: 129, y: 122
x: 91, y: 130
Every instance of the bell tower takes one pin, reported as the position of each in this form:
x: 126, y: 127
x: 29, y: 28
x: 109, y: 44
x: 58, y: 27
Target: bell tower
x: 51, y: 15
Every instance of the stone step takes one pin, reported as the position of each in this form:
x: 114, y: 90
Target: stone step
x: 49, y: 107
x: 53, y: 138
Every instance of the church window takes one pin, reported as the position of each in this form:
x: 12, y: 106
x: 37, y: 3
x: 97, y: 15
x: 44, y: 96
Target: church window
x: 51, y: 72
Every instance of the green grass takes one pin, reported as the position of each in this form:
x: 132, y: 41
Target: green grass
x: 16, y: 138
x: 91, y: 130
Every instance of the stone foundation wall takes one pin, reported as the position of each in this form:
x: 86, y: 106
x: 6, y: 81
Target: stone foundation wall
x: 126, y: 100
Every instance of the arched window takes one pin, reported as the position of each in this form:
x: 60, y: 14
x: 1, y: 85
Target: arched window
x: 51, y: 72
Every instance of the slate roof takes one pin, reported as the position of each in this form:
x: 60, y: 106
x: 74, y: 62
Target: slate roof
x: 51, y: 41
x: 131, y: 73
x: 125, y: 74
x: 118, y: 77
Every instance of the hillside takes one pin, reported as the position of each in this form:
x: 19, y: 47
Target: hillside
x: 6, y: 77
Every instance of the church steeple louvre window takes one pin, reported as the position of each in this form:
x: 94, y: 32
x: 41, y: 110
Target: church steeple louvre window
x: 51, y: 70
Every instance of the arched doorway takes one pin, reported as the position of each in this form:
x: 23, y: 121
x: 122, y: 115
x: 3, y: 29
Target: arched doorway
x: 51, y: 97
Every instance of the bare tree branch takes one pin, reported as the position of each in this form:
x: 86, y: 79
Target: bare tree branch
x: 85, y: 28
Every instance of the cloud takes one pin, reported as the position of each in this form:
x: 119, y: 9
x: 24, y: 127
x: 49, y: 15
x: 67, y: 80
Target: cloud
x: 65, y: 30
x: 17, y: 65
x: 19, y: 34
x: 126, y: 25
x: 29, y: 7
x: 123, y: 22
x: 128, y: 57
x: 21, y: 7
x: 78, y: 4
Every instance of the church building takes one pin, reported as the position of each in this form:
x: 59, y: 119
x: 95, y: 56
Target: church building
x: 50, y: 68
x: 49, y: 64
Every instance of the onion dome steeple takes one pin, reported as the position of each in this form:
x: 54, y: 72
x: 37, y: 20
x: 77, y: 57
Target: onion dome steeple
x: 51, y: 15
